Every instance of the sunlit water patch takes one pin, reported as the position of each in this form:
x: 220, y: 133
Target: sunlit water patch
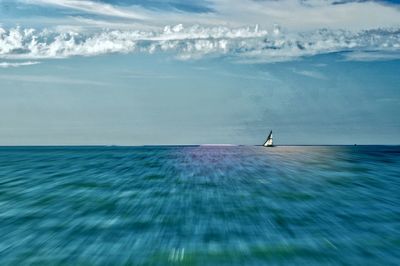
x: 200, y: 205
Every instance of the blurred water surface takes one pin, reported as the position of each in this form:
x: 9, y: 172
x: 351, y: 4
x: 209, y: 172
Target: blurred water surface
x: 199, y: 205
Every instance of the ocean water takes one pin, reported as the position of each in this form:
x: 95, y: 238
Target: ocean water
x: 200, y: 205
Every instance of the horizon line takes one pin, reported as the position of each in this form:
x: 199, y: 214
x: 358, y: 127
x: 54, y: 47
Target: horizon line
x: 185, y: 145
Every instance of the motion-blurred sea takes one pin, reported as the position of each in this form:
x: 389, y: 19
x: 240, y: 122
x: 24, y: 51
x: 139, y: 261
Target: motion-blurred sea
x: 200, y: 205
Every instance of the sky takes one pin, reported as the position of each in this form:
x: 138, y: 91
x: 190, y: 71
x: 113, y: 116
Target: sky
x: 120, y: 72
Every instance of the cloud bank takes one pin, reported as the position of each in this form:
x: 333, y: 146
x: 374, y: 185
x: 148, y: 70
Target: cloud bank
x: 243, y: 43
x: 244, y: 30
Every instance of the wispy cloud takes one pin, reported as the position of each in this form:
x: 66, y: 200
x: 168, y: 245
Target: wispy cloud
x: 265, y: 76
x: 291, y: 14
x: 309, y: 15
x: 92, y: 7
x: 142, y: 75
x: 367, y: 56
x: 17, y: 64
x: 310, y: 73
x: 50, y: 79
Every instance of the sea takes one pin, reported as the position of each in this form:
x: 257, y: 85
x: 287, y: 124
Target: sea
x: 200, y: 205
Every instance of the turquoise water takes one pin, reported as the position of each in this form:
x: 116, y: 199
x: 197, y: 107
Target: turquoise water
x: 196, y: 205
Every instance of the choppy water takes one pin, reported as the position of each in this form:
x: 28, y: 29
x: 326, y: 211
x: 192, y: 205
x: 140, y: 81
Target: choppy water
x: 200, y: 205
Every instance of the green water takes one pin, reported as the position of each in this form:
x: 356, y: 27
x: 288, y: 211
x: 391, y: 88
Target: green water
x: 333, y: 205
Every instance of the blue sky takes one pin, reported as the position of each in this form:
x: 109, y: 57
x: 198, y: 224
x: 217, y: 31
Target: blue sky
x: 190, y: 72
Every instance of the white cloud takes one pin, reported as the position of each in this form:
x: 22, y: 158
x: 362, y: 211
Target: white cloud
x: 17, y: 64
x: 243, y: 43
x: 306, y: 28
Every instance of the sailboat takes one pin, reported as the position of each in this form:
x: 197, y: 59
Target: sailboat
x: 269, y: 142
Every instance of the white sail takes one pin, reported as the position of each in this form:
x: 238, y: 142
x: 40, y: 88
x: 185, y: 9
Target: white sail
x: 269, y: 141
